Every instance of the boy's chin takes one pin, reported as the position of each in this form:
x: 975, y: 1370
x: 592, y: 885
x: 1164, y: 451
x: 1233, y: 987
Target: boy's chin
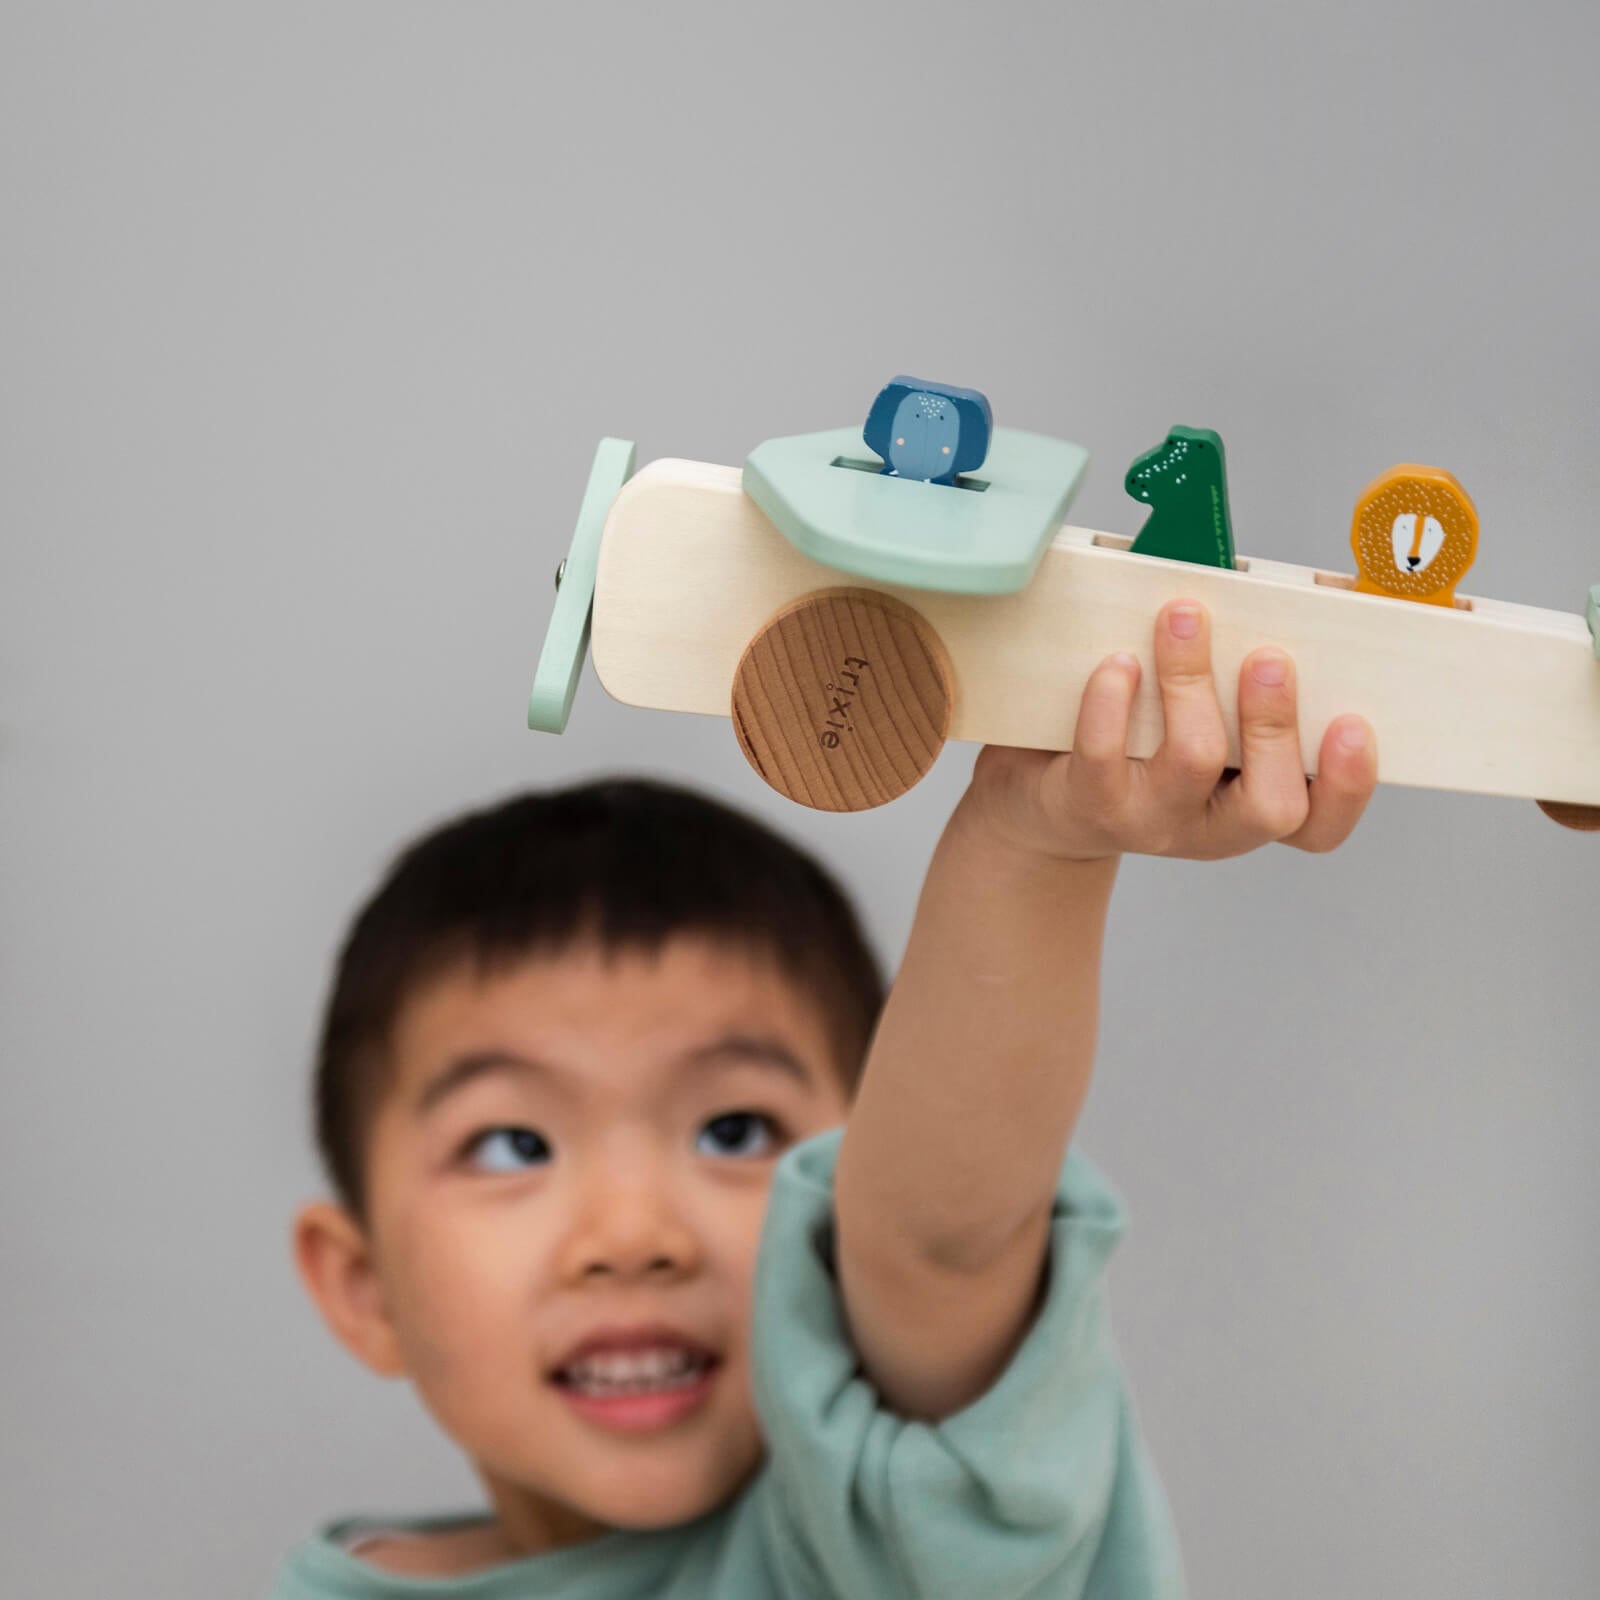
x: 640, y: 1495
x: 669, y: 1496
x: 648, y: 1514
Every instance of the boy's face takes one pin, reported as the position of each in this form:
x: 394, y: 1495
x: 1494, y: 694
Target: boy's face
x: 565, y: 1146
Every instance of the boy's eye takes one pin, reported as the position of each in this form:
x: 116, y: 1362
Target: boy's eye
x: 732, y: 1126
x: 740, y: 1133
x: 505, y: 1149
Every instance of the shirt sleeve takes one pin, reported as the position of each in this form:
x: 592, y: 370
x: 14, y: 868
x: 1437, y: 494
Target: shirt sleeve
x: 1041, y: 1486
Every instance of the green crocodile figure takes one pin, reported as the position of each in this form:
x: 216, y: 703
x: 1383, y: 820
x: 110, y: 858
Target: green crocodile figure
x: 1185, y: 482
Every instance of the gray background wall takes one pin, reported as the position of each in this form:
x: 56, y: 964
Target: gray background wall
x: 311, y: 317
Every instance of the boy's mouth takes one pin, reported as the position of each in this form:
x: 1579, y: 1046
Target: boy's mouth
x: 657, y: 1369
x: 638, y: 1391
x: 632, y: 1358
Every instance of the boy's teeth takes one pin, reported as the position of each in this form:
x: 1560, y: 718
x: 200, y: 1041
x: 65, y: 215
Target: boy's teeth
x: 634, y: 1370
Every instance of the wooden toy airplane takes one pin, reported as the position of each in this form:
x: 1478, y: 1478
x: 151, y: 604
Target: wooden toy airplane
x: 851, y: 614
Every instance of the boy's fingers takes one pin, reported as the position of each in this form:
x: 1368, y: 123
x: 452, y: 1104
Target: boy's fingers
x: 1098, y: 770
x: 1269, y: 801
x: 1194, y: 747
x: 1347, y: 773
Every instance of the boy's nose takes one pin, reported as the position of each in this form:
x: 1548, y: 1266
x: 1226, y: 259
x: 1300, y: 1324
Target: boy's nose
x: 629, y: 1229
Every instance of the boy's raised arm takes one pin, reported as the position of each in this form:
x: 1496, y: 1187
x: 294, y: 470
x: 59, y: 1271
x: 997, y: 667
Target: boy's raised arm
x: 976, y: 1076
x: 948, y: 1165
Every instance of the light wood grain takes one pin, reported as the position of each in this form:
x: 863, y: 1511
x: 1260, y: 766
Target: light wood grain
x: 1484, y: 696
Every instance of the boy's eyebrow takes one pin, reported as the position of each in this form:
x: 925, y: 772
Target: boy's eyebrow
x: 757, y: 1049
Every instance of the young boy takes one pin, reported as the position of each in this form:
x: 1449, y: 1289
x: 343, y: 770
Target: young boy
x: 710, y: 1316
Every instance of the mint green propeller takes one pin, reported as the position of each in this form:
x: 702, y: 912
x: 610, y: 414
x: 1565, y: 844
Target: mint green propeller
x: 567, y: 640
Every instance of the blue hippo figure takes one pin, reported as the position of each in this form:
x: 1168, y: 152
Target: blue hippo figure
x: 929, y: 431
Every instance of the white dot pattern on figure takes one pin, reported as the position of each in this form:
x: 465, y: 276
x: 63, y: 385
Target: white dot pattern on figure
x: 1373, y: 536
x: 931, y: 406
x: 1166, y: 462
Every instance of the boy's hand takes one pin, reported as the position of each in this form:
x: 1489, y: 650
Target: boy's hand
x: 1096, y: 802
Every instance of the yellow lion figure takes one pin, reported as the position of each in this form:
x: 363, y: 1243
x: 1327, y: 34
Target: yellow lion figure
x: 1415, y: 533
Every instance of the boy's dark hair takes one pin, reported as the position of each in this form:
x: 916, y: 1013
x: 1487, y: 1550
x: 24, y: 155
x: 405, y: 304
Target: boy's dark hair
x: 626, y: 862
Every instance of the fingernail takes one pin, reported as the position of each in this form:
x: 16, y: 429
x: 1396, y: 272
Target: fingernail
x: 1184, y: 622
x: 1353, y: 737
x: 1126, y: 662
x: 1269, y: 670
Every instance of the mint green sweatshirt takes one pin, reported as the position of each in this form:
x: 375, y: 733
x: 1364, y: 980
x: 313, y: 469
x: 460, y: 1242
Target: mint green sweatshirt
x: 1040, y: 1487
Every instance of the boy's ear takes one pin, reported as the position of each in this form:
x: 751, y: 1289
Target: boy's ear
x: 335, y: 1263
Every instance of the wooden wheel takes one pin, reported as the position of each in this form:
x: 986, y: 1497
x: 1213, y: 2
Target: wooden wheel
x: 1586, y: 819
x: 843, y: 700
